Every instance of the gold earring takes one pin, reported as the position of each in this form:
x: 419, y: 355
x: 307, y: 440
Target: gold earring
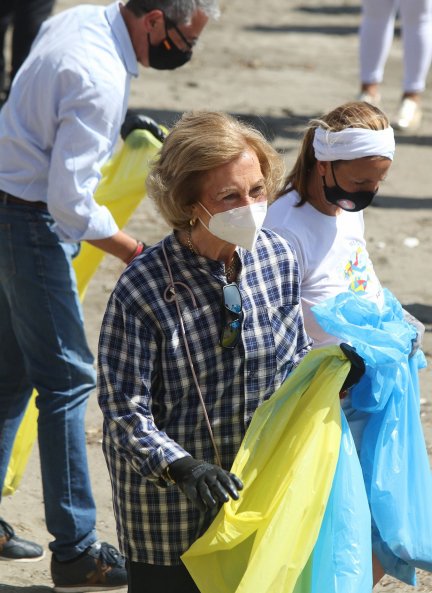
x: 192, y: 221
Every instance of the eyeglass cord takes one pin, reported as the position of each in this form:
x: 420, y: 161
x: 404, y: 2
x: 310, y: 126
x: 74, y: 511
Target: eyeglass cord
x: 170, y: 295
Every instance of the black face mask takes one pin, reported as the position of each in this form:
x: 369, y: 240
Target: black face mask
x: 166, y: 55
x: 349, y: 201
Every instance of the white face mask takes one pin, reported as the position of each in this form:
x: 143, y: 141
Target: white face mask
x: 239, y: 226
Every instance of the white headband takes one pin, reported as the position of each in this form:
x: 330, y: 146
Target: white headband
x: 353, y: 143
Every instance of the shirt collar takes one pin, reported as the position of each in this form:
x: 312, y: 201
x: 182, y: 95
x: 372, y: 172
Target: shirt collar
x: 121, y: 34
x: 190, y: 260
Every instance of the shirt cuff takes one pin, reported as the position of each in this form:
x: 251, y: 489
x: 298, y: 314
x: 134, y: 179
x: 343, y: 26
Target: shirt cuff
x: 100, y: 225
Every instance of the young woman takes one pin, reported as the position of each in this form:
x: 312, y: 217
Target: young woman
x: 344, y: 157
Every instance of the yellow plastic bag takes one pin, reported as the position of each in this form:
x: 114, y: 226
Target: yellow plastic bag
x: 121, y: 189
x: 23, y: 445
x: 287, y: 460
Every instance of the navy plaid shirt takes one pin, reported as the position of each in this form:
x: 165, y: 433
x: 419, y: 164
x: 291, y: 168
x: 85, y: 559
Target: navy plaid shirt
x: 152, y: 412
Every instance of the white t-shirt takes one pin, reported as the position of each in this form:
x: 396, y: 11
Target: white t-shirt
x: 332, y: 256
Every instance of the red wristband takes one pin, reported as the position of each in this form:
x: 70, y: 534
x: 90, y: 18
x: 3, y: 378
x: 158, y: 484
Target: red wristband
x: 139, y: 249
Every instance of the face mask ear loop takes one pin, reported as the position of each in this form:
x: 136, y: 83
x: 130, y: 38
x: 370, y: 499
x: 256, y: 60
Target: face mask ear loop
x: 334, y: 176
x: 209, y: 213
x: 169, y: 296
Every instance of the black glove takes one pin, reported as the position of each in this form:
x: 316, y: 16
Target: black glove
x: 204, y: 484
x: 141, y: 122
x: 357, y: 369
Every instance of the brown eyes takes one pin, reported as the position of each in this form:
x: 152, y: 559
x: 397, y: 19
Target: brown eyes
x: 258, y: 191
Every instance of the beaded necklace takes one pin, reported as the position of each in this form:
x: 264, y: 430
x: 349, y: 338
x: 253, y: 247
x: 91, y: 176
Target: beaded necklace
x: 230, y: 270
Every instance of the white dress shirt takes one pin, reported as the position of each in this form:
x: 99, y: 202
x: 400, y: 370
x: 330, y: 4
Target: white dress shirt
x: 63, y: 116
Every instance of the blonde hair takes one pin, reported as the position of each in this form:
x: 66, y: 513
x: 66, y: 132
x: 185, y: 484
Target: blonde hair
x: 199, y: 142
x: 356, y: 114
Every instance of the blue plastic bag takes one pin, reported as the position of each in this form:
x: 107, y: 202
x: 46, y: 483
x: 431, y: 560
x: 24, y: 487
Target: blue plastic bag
x: 399, y: 491
x: 342, y: 557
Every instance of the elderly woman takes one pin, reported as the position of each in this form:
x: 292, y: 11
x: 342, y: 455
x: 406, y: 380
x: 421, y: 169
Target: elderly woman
x: 199, y: 331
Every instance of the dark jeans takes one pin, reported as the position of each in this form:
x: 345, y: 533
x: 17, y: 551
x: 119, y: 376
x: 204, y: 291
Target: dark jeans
x: 143, y: 578
x: 26, y: 17
x: 43, y: 346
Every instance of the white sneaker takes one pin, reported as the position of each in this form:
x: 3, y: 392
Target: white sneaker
x: 368, y: 98
x: 409, y: 116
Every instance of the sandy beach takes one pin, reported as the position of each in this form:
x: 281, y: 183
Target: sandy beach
x: 277, y: 64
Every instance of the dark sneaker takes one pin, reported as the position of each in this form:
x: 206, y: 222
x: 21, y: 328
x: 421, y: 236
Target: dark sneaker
x: 101, y: 567
x: 16, y: 549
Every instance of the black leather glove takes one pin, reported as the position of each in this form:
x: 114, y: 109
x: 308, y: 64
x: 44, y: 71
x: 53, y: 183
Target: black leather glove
x: 141, y: 122
x: 204, y: 484
x: 357, y: 369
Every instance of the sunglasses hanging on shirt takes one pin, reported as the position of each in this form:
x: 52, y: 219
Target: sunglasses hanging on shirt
x: 232, y: 316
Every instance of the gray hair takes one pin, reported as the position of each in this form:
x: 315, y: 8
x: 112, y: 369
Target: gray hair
x: 178, y: 11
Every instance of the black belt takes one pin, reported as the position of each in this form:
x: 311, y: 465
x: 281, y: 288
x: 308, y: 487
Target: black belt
x: 6, y: 198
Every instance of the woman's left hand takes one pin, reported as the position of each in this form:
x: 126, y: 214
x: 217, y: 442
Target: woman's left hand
x: 206, y: 485
x: 420, y: 329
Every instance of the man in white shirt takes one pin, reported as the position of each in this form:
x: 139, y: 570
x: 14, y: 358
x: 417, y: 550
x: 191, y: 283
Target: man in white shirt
x: 58, y: 127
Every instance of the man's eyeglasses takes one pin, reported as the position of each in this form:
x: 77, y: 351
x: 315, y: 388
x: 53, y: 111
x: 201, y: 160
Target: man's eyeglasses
x: 169, y: 24
x: 232, y: 316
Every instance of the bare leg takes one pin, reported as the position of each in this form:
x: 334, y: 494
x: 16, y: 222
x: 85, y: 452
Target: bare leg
x: 414, y: 96
x: 371, y: 88
x: 377, y: 570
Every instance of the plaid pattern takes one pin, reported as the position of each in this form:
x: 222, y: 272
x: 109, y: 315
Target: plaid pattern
x: 152, y: 412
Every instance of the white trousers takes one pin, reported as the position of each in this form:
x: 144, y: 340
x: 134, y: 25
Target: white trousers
x: 376, y: 36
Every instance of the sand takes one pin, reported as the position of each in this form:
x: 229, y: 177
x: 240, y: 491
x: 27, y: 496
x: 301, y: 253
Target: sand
x: 278, y: 64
